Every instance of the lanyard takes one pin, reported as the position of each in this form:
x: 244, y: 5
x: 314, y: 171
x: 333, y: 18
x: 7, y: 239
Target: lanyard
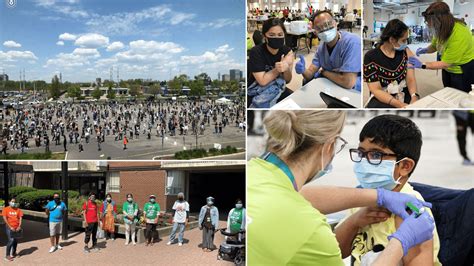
x: 272, y: 158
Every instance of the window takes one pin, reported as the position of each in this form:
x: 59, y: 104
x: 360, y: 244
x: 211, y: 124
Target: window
x: 175, y: 182
x: 113, y: 182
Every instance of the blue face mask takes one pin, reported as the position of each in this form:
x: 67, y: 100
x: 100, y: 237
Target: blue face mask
x: 376, y: 176
x: 401, y: 48
x: 328, y: 35
x: 326, y: 170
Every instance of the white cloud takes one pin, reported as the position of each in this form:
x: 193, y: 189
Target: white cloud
x: 224, y: 49
x: 64, y: 60
x: 92, y: 40
x: 67, y: 37
x: 147, y: 47
x: 179, y: 17
x: 87, y: 52
x: 115, y: 46
x: 65, y: 7
x: 17, y: 55
x: 220, y: 23
x: 60, y: 43
x: 12, y: 44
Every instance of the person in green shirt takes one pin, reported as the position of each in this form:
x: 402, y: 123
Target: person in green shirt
x: 130, y: 218
x: 453, y: 41
x: 236, y: 218
x: 151, y: 212
x: 286, y: 222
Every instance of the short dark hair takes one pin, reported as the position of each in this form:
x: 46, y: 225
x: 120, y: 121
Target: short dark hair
x: 272, y: 22
x: 395, y: 28
x: 129, y: 195
x: 399, y: 134
x: 322, y: 12
x: 108, y: 195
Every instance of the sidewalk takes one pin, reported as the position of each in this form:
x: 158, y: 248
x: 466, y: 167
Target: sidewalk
x: 35, y: 246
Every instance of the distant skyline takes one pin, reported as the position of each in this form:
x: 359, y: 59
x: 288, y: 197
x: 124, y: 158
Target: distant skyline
x: 156, y: 40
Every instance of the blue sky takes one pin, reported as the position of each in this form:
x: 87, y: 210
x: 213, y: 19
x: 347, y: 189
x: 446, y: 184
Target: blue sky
x: 154, y: 39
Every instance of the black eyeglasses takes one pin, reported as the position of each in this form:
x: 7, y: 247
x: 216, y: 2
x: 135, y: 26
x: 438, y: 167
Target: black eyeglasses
x: 373, y: 157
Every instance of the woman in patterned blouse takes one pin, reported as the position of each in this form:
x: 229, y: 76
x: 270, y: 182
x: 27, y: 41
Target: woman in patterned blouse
x: 390, y: 79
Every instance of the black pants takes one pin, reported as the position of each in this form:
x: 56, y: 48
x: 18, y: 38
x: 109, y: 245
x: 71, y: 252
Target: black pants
x: 91, y: 229
x: 374, y: 103
x: 460, y: 81
x: 150, y: 231
x: 461, y: 132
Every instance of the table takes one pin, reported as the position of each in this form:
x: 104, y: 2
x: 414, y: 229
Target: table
x: 308, y: 95
x: 444, y: 98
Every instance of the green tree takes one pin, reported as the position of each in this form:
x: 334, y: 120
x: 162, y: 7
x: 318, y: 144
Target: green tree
x: 96, y: 93
x: 74, y: 92
x: 55, y: 91
x: 135, y: 90
x: 111, y: 93
x: 197, y: 87
x: 155, y: 89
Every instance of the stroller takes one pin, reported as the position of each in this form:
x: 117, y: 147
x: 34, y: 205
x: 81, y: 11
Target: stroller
x: 233, y: 248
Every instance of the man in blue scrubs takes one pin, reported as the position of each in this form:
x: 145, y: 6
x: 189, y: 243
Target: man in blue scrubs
x: 338, y: 57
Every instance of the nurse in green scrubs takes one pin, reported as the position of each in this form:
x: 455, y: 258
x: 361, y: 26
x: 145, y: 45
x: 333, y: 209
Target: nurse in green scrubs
x: 454, y: 42
x: 283, y: 227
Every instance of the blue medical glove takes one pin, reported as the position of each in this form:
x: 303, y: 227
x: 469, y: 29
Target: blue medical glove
x: 415, y: 62
x: 414, y: 231
x: 300, y: 66
x: 396, y: 202
x: 421, y: 51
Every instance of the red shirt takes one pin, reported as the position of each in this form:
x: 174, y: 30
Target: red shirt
x: 13, y: 216
x: 91, y: 212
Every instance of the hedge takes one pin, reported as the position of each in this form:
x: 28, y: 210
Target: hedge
x: 15, y: 191
x: 199, y: 153
x: 36, y: 200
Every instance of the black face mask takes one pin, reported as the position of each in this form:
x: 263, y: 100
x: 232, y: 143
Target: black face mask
x: 276, y: 43
x: 180, y: 198
x: 56, y: 199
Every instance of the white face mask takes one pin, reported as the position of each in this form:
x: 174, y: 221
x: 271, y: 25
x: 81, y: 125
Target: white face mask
x: 328, y: 35
x: 238, y: 205
x: 130, y: 199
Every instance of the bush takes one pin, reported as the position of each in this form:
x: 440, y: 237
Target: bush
x: 75, y: 205
x: 15, y: 191
x: 2, y: 203
x: 36, y: 200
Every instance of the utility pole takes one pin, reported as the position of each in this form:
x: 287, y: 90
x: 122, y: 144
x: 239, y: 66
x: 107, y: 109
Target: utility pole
x: 64, y: 194
x: 6, y: 184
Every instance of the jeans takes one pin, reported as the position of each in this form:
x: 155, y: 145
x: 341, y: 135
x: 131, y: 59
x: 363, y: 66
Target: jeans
x: 91, y: 229
x: 12, y: 242
x: 176, y: 226
x: 266, y: 96
x: 453, y: 212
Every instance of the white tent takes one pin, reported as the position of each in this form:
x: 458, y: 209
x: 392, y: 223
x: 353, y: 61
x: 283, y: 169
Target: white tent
x: 223, y: 100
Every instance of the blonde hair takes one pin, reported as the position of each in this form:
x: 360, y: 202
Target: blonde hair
x: 291, y: 133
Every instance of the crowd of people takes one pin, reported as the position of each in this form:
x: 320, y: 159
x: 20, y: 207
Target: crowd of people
x: 102, y: 216
x: 79, y: 124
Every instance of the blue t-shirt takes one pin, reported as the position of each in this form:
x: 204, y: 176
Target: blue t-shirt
x: 56, y: 215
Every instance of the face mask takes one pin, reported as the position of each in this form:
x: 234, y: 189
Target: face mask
x: 180, y: 198
x: 56, y: 199
x: 109, y: 199
x: 401, y: 48
x: 238, y: 205
x: 152, y: 200
x: 129, y: 199
x: 376, y: 176
x: 92, y: 198
x: 13, y: 204
x: 210, y: 203
x: 324, y: 171
x: 328, y: 35
x: 276, y: 43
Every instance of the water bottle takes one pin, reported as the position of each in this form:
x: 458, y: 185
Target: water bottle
x: 468, y: 102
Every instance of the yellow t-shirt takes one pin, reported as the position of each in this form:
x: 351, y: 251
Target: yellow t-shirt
x: 458, y: 49
x: 283, y: 227
x: 376, y: 234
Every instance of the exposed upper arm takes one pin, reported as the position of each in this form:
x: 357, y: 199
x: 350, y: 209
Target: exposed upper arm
x: 410, y: 71
x: 421, y: 254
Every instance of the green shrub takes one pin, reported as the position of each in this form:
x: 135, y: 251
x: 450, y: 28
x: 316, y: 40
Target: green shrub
x: 15, y: 191
x: 36, y: 200
x: 2, y: 203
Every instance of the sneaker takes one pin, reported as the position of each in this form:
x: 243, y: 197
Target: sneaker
x: 86, y: 249
x: 52, y: 249
x: 180, y: 244
x: 59, y: 247
x: 94, y: 248
x: 8, y: 258
x: 169, y: 243
x: 126, y: 243
x: 466, y: 162
x: 134, y: 243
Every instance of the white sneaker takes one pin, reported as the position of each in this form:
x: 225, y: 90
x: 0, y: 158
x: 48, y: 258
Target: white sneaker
x: 180, y: 244
x: 52, y: 249
x: 169, y: 243
x: 126, y: 243
x: 134, y: 243
x: 59, y: 247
